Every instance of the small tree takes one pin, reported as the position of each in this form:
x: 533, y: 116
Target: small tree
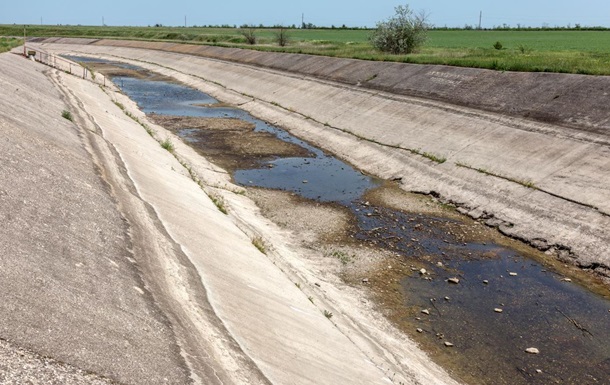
x: 249, y: 32
x: 402, y: 33
x: 281, y: 37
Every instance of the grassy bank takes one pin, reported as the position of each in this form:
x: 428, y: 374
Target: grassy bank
x: 568, y: 51
x: 8, y: 43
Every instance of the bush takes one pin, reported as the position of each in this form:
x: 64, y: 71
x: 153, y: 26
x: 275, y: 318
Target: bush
x: 249, y: 34
x: 281, y: 37
x: 402, y: 33
x: 67, y: 115
x: 498, y: 45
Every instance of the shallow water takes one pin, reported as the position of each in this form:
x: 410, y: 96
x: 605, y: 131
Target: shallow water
x: 568, y: 324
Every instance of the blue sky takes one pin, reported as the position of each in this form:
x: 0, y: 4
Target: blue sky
x: 320, y: 12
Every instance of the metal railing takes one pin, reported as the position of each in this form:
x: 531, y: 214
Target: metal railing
x: 65, y: 65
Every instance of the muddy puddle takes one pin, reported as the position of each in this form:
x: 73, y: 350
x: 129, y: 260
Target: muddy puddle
x: 475, y: 300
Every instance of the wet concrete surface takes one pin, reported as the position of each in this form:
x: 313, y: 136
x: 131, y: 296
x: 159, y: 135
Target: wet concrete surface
x: 504, y: 301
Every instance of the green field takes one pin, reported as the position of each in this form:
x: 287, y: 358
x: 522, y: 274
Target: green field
x: 6, y: 44
x: 568, y: 51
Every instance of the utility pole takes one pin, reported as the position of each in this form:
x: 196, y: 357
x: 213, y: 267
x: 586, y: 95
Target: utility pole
x: 480, y: 18
x: 184, y: 21
x: 103, y: 24
x: 40, y: 20
x: 24, y: 40
x: 303, y: 20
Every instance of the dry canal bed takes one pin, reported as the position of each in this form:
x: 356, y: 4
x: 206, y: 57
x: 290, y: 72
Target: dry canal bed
x: 474, y: 299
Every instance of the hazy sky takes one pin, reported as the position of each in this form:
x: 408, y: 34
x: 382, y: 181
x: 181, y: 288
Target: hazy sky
x: 288, y: 12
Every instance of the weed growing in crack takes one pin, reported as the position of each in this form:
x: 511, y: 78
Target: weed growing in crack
x: 167, y: 144
x: 219, y: 202
x: 120, y: 105
x: 67, y: 115
x: 259, y: 243
x: 523, y: 182
x: 310, y: 298
x: 328, y: 314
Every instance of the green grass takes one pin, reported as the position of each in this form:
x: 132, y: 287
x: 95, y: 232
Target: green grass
x: 167, y: 144
x: 568, y: 51
x: 7, y: 44
x: 259, y: 243
x: 67, y: 115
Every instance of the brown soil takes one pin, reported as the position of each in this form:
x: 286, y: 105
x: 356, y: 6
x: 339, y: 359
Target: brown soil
x: 230, y: 143
x: 111, y: 70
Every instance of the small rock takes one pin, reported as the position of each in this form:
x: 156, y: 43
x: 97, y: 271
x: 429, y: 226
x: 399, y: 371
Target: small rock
x: 317, y: 284
x: 485, y: 281
x: 512, y: 274
x: 566, y: 280
x: 447, y: 299
x: 305, y: 181
x: 423, y: 271
x: 419, y: 330
x: 439, y: 264
x: 532, y: 351
x: 365, y: 280
x: 538, y: 371
x: 498, y: 310
x: 454, y: 280
x: 448, y: 344
x: 426, y: 312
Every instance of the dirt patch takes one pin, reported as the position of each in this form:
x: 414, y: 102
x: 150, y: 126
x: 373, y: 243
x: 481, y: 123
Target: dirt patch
x: 230, y: 143
x: 114, y: 70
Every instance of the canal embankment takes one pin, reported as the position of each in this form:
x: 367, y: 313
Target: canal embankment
x: 540, y: 182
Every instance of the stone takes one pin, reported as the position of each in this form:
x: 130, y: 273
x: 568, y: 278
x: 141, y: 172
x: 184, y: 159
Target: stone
x: 365, y: 280
x: 512, y: 274
x: 485, y: 281
x: 419, y: 330
x: 566, y: 280
x: 498, y: 310
x: 448, y: 344
x: 426, y: 312
x: 447, y: 299
x: 532, y: 351
x: 538, y: 371
x: 423, y: 271
x: 453, y: 280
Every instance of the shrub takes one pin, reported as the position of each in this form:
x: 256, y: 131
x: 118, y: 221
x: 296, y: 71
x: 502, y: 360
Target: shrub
x: 402, y: 33
x: 498, y: 45
x: 67, y: 115
x: 281, y: 37
x: 249, y: 34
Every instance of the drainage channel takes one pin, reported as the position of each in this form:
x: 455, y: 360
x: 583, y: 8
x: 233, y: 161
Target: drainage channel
x: 492, y: 311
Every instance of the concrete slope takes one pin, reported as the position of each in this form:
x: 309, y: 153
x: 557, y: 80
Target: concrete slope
x: 542, y: 183
x: 570, y: 100
x: 70, y: 289
x: 170, y: 289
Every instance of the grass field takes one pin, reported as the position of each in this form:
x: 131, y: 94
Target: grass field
x: 568, y: 51
x: 6, y: 44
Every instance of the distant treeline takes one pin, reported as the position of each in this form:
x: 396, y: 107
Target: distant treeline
x: 504, y: 27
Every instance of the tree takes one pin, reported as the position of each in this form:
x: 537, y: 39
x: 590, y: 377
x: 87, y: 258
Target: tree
x: 248, y: 31
x: 281, y: 37
x: 402, y: 33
